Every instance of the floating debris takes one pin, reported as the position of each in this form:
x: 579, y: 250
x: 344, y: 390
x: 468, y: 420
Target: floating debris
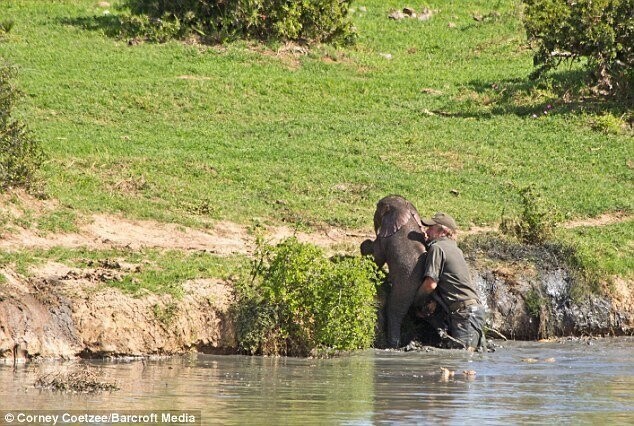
x: 417, y: 346
x: 446, y: 373
x: 497, y: 333
x: 85, y: 380
x: 469, y: 373
x: 530, y: 360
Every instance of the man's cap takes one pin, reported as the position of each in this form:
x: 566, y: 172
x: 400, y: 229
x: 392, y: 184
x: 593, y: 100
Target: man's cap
x: 441, y: 219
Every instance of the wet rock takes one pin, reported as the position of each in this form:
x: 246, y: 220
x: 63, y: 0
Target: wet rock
x: 397, y: 15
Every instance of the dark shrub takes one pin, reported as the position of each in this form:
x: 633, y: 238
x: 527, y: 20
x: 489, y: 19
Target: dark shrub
x: 218, y: 20
x: 600, y: 30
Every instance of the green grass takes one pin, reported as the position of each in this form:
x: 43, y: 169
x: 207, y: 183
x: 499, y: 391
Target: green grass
x: 605, y: 251
x: 59, y: 220
x: 317, y: 138
x: 155, y: 271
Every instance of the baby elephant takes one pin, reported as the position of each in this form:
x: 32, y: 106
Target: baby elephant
x: 399, y: 243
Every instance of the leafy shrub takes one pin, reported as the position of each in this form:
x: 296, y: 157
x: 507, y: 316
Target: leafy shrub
x: 608, y: 123
x: 537, y: 222
x: 306, y: 20
x: 20, y: 154
x: 600, y: 30
x: 297, y: 301
x: 153, y: 30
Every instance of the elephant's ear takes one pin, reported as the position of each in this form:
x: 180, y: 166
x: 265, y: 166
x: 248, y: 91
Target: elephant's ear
x: 416, y: 217
x: 395, y: 218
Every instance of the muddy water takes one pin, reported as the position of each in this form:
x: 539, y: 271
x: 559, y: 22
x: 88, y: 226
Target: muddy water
x: 573, y: 382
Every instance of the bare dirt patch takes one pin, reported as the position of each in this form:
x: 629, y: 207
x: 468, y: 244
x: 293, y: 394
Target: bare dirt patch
x: 103, y: 231
x: 622, y: 292
x: 601, y: 220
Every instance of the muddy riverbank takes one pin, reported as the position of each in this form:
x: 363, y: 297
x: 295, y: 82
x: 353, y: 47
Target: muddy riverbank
x: 57, y: 311
x: 68, y: 312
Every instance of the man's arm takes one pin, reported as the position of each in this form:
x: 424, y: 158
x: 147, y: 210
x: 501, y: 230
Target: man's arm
x: 433, y: 265
x: 424, y: 291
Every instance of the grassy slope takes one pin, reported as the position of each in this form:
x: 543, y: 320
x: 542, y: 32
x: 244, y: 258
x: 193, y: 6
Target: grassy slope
x: 311, y: 139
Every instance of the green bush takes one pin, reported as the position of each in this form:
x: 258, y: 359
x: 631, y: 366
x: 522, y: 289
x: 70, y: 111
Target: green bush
x: 298, y: 301
x: 537, y: 222
x: 153, y: 30
x: 306, y: 20
x: 20, y: 154
x: 600, y: 30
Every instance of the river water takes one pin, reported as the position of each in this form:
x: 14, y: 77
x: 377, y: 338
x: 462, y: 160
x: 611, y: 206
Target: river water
x: 564, y: 382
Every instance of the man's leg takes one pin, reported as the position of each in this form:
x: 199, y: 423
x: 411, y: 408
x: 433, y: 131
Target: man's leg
x: 466, y: 326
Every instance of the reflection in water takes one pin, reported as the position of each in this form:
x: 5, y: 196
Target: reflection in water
x: 585, y: 384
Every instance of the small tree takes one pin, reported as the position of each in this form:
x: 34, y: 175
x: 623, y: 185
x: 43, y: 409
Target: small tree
x: 600, y: 30
x: 20, y: 154
x: 537, y: 222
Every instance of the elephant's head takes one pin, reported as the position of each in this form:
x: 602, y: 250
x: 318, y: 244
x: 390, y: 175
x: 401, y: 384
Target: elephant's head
x: 392, y: 212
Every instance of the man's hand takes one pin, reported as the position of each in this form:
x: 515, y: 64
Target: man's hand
x: 427, y: 310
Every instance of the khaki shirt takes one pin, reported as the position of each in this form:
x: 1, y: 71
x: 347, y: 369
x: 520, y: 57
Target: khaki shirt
x: 445, y: 264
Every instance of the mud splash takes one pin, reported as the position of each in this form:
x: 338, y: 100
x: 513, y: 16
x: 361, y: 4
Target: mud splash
x: 529, y: 294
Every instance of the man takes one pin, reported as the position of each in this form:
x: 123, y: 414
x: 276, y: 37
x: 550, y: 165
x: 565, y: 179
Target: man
x: 446, y: 282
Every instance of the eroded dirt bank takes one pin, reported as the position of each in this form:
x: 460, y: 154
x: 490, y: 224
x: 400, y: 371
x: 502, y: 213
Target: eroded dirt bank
x: 67, y: 312
x: 59, y: 311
